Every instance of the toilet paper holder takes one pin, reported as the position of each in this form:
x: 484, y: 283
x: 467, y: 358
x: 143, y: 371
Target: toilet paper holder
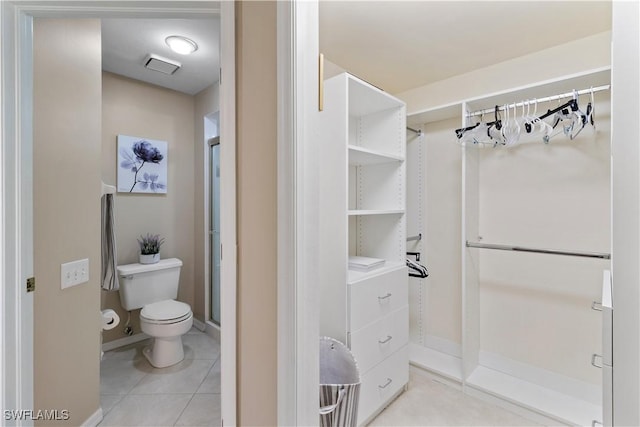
x: 110, y: 319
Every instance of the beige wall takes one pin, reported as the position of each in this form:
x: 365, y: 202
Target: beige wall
x: 66, y: 171
x: 134, y: 108
x: 573, y: 57
x: 206, y: 102
x: 256, y: 141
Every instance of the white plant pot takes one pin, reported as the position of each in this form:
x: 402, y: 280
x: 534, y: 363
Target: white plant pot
x: 149, y: 259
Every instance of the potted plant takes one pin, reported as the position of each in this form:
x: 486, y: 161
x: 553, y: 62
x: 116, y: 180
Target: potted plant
x: 150, y: 248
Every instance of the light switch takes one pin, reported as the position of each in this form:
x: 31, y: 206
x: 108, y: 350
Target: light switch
x: 74, y: 273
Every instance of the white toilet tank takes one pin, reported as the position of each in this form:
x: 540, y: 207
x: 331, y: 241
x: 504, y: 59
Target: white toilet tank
x: 142, y: 284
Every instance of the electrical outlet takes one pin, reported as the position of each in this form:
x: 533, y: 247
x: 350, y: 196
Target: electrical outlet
x: 74, y: 273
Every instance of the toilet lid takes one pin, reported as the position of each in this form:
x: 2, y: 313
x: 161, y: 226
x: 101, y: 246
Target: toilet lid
x: 165, y: 310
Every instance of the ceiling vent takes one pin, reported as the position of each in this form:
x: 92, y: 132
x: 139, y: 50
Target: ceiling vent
x: 163, y: 65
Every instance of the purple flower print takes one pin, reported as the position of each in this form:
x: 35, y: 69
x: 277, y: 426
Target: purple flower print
x: 146, y: 152
x: 142, y: 152
x: 150, y: 182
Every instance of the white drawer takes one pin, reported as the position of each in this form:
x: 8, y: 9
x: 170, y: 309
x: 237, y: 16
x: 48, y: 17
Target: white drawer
x: 373, y: 343
x: 607, y: 396
x: 375, y: 297
x: 381, y: 383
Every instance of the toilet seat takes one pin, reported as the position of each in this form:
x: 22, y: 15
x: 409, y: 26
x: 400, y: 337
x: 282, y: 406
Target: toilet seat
x: 166, y: 312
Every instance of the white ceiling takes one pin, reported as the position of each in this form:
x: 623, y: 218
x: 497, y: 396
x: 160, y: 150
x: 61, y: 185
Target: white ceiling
x: 396, y: 45
x: 400, y: 45
x: 126, y: 43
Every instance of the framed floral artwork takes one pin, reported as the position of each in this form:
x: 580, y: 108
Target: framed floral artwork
x: 142, y: 165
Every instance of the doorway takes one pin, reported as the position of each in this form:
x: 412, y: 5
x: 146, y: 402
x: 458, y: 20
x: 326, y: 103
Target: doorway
x: 214, y: 230
x: 17, y: 52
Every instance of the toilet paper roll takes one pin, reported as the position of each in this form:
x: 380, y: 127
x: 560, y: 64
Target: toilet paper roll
x: 110, y: 319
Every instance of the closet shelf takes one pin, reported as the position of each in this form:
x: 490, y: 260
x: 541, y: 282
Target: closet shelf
x: 354, y: 276
x: 359, y: 156
x: 365, y: 98
x: 361, y: 212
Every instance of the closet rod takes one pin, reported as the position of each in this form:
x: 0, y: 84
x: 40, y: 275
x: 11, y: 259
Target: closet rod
x: 418, y: 131
x: 545, y: 99
x: 538, y: 251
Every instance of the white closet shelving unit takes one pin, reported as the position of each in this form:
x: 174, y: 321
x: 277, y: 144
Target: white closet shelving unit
x: 362, y: 199
x: 543, y: 390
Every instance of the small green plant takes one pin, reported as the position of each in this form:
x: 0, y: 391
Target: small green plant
x: 150, y: 244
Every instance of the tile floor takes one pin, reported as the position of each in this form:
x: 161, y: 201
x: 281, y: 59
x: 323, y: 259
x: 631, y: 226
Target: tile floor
x: 188, y: 394
x: 132, y: 393
x: 431, y: 403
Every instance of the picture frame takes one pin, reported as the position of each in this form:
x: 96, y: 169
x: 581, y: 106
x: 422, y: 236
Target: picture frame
x: 142, y: 165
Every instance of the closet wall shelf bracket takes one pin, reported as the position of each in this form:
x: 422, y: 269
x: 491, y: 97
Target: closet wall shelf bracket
x: 599, y: 255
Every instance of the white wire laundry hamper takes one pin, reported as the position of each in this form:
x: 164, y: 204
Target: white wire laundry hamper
x: 339, y: 385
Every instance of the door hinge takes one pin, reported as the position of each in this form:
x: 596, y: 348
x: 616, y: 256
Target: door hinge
x: 31, y: 284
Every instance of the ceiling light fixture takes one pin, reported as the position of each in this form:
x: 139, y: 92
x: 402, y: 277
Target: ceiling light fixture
x: 181, y: 45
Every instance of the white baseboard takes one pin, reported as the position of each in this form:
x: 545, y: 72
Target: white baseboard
x: 121, y: 342
x: 443, y: 345
x: 561, y: 383
x: 94, y: 419
x: 199, y: 325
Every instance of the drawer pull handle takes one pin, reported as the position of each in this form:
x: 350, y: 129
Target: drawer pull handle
x: 389, y: 381
x: 596, y: 306
x: 386, y: 340
x: 593, y: 360
x: 385, y: 297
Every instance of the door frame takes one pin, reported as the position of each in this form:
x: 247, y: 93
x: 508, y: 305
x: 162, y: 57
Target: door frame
x: 16, y: 201
x: 298, y: 230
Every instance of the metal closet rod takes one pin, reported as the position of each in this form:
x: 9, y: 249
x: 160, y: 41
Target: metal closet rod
x: 418, y: 131
x: 545, y: 99
x: 538, y: 251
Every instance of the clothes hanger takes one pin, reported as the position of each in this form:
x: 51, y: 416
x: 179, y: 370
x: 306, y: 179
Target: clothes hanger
x: 580, y: 119
x: 511, y: 128
x: 420, y: 270
x: 590, y: 110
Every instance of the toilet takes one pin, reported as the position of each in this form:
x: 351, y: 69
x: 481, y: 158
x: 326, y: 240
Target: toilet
x: 154, y: 289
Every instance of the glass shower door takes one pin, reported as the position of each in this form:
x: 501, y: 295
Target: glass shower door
x: 214, y: 232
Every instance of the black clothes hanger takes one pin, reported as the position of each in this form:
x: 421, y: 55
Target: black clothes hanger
x: 417, y: 270
x: 497, y: 123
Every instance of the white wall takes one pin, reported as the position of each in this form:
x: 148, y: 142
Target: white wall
x: 626, y: 211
